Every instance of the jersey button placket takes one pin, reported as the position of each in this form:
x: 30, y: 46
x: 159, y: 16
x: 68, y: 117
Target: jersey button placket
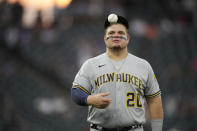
x: 118, y: 93
x: 118, y: 96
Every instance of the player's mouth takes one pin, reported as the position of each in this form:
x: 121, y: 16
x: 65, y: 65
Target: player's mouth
x: 116, y: 40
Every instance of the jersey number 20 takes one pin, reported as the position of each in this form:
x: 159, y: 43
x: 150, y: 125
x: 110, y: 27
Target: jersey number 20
x: 133, y: 100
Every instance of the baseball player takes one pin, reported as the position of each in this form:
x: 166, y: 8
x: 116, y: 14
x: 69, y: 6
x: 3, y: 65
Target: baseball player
x: 116, y: 84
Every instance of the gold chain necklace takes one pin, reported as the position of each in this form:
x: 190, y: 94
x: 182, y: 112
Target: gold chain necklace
x: 118, y: 69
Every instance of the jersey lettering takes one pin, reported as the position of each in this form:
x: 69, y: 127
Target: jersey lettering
x: 110, y: 77
x: 124, y: 77
x: 120, y: 77
x: 104, y: 79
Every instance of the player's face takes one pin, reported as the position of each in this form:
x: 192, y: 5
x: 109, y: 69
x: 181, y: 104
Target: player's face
x: 116, y: 37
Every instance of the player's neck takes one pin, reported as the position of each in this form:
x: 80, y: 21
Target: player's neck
x: 117, y: 55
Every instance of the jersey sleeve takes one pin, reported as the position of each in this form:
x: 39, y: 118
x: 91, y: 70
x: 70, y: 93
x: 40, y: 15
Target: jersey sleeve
x: 82, y: 78
x: 152, y: 87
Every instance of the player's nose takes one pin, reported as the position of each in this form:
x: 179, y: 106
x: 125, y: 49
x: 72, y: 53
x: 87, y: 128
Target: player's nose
x: 117, y: 37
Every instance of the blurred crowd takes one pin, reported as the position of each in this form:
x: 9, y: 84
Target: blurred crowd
x: 38, y: 62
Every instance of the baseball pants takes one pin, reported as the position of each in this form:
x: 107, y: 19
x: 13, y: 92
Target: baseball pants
x: 137, y: 129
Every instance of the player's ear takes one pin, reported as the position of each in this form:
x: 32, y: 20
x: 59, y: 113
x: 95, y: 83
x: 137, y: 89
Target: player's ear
x: 128, y: 37
x: 105, y: 37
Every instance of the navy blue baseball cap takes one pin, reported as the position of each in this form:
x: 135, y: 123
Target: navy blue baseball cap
x: 121, y: 20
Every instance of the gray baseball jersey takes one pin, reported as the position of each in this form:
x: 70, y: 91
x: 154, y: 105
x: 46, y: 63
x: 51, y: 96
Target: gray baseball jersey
x: 129, y: 82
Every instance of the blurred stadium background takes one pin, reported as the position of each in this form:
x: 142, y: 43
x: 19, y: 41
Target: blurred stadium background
x: 44, y: 42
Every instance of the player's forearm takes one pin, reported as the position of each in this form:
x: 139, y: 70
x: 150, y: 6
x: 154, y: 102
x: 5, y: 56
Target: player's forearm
x: 155, y: 108
x: 156, y: 113
x: 157, y: 120
x: 79, y: 96
x: 89, y: 100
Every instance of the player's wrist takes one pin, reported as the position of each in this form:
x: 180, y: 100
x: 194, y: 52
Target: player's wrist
x: 157, y: 124
x: 88, y: 100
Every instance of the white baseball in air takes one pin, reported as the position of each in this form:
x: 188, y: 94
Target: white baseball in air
x: 112, y: 18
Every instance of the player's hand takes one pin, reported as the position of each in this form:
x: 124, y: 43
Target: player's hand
x: 99, y: 100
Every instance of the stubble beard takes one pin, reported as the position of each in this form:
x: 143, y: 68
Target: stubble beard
x: 116, y: 48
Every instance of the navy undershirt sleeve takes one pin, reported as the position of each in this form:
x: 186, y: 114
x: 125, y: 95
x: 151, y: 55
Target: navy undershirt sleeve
x: 79, y: 96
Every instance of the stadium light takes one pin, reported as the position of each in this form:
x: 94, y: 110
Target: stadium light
x: 11, y: 1
x: 37, y: 4
x: 63, y: 3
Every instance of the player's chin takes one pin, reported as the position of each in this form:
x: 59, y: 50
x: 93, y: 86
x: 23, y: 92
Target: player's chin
x: 116, y: 47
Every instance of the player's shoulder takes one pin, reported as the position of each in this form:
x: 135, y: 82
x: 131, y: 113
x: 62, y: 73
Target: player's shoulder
x: 97, y: 59
x: 139, y: 61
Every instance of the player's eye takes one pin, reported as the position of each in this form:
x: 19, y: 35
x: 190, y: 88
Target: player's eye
x: 121, y: 32
x: 111, y: 32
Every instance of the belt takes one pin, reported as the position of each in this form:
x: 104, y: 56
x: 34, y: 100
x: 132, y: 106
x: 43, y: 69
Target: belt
x: 99, y: 128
